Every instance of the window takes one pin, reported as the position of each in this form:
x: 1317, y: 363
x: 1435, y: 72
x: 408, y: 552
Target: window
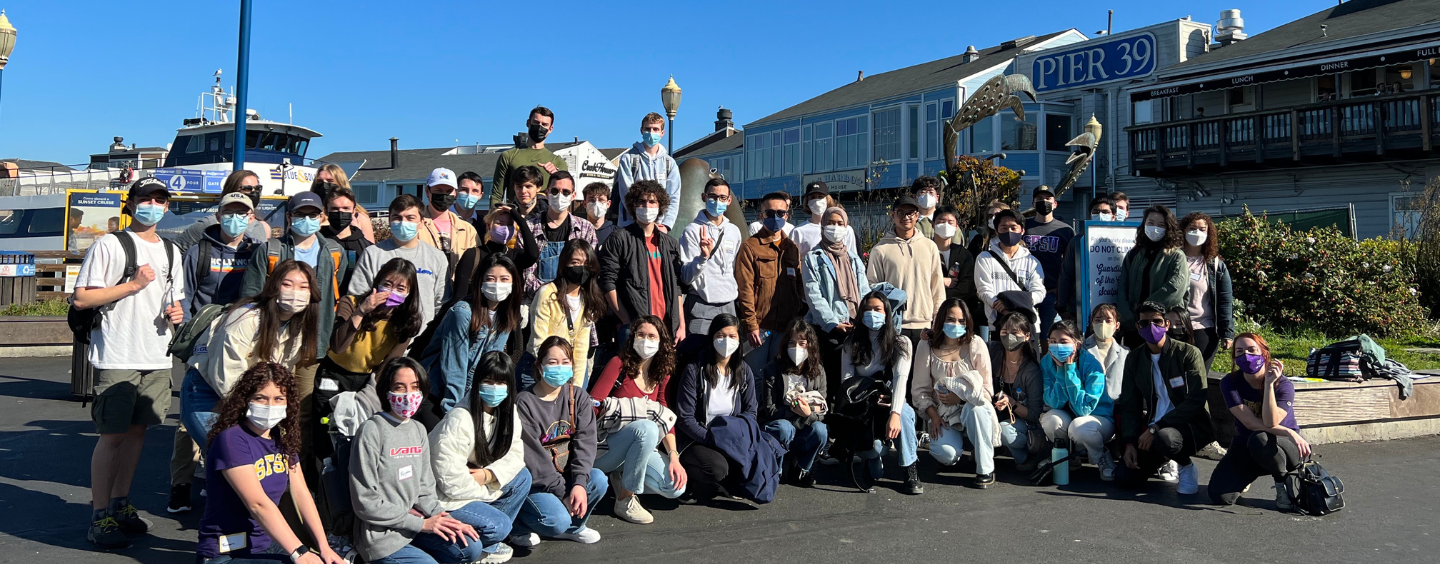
x: 809, y: 156
x: 230, y: 139
x: 47, y: 221
x: 214, y: 142
x: 1016, y: 135
x: 914, y: 131
x: 792, y: 150
x: 982, y: 136
x: 725, y: 167
x: 850, y: 148
x: 932, y: 131
x: 1142, y: 112
x: 196, y: 144
x: 755, y: 151
x: 777, y: 153
x: 1405, y: 212
x: 1363, y: 82
x: 887, y: 135
x: 823, y: 156
x: 1057, y: 132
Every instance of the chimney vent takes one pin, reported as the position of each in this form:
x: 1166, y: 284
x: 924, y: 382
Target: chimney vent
x: 861, y: 77
x: 394, y: 152
x: 970, y: 54
x: 1230, y: 29
x: 723, y: 119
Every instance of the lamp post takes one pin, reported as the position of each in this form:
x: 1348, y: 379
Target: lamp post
x: 7, y: 42
x: 670, y: 98
x: 242, y: 85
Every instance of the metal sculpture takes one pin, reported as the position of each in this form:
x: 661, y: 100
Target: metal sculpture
x: 1085, y: 145
x: 996, y: 94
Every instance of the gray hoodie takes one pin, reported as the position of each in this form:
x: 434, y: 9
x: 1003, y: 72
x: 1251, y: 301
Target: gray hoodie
x: 389, y: 475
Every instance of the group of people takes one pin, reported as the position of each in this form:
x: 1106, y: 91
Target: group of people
x: 478, y: 380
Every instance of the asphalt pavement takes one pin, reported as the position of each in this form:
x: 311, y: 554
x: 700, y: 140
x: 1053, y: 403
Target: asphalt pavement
x: 46, y: 440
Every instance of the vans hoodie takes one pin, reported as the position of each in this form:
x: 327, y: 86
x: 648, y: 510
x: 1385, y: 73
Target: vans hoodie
x: 223, y: 278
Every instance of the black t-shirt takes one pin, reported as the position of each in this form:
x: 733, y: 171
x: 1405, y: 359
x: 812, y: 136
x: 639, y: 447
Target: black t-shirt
x: 558, y: 234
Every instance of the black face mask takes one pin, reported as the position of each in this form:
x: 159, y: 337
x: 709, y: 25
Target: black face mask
x: 255, y: 200
x: 1044, y: 207
x: 339, y: 221
x: 442, y: 201
x: 576, y: 275
x: 538, y: 132
x: 324, y: 189
x: 1176, y: 333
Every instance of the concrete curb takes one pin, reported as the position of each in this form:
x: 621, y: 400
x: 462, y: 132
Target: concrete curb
x: 35, y: 351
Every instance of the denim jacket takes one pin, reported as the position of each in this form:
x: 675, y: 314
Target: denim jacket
x: 822, y: 292
x: 451, y: 356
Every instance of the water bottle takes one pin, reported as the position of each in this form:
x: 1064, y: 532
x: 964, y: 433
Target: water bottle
x: 1061, y: 469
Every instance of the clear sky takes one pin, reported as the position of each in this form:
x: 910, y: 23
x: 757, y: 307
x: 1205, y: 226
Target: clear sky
x: 433, y: 72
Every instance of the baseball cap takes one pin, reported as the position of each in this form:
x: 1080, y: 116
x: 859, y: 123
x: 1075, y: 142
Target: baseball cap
x: 817, y: 187
x: 236, y: 198
x: 906, y: 200
x: 147, y: 186
x: 441, y: 177
x: 304, y: 199
x: 1042, y: 189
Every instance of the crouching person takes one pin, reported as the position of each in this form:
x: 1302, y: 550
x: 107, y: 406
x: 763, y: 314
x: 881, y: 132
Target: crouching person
x: 1267, y: 438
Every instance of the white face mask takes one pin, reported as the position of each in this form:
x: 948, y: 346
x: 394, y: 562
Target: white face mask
x: 597, y: 209
x: 1105, y: 216
x: 834, y: 233
x: 927, y: 201
x: 797, y: 355
x: 292, y: 301
x: 561, y: 201
x: 1155, y: 233
x: 1196, y: 237
x: 647, y: 215
x: 647, y: 348
x: 1121, y: 214
x: 496, y: 291
x: 945, y: 230
x: 726, y: 347
x: 265, y: 417
x: 817, y: 207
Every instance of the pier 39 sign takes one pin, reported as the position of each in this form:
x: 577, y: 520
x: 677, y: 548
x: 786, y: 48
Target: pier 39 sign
x: 1093, y: 63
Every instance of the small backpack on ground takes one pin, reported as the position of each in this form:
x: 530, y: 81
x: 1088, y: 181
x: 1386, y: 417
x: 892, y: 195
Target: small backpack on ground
x: 182, y: 344
x: 1313, y: 491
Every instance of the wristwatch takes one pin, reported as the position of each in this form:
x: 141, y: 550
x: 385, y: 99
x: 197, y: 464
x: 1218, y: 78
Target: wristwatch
x: 298, y: 553
x: 1154, y: 429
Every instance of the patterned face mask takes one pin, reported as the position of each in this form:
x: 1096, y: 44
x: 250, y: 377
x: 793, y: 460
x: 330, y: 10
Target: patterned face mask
x: 405, y: 405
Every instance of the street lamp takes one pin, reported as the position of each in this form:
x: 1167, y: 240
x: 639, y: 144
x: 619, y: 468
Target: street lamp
x: 670, y: 98
x: 7, y: 42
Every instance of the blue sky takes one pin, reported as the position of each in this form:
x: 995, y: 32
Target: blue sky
x: 432, y: 72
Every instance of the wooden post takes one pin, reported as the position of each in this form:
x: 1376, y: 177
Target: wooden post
x: 1335, y: 127
x: 1258, y: 122
x: 1224, y: 125
x: 1427, y: 126
x: 1379, y: 121
x: 1159, y: 148
x: 1295, y: 135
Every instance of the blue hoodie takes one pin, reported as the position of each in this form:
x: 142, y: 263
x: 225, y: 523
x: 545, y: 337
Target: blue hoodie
x: 1078, y: 386
x: 226, y: 274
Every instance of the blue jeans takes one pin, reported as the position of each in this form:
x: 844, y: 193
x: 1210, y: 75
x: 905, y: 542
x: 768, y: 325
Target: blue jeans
x: 804, y: 443
x: 492, y: 520
x: 978, y: 431
x: 1046, y: 309
x: 197, y: 408
x: 1016, y: 437
x: 642, y: 469
x: 906, y: 443
x: 412, y: 554
x: 545, y: 514
x: 270, y: 555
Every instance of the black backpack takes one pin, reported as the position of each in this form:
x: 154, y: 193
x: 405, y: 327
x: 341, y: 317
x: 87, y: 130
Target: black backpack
x: 1340, y: 360
x: 1313, y: 491
x: 83, y: 321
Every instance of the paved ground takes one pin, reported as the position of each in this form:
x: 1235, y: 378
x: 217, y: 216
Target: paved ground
x: 46, y: 441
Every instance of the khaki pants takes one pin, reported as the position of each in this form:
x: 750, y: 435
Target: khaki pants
x: 183, y: 457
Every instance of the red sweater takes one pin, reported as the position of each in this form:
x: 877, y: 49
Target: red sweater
x: 605, y: 387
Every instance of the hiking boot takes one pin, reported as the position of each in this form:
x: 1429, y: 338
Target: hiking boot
x: 1107, y: 467
x: 912, y: 481
x: 1189, y: 483
x: 179, y: 499
x: 105, y: 533
x: 1282, y: 497
x: 630, y: 510
x: 1027, y: 466
x: 130, y: 521
x: 984, y: 481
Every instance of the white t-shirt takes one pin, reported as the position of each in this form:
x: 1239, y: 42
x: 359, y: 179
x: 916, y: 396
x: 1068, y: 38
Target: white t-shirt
x: 1162, y: 392
x: 810, y: 234
x: 721, y: 402
x: 575, y: 307
x: 133, y: 334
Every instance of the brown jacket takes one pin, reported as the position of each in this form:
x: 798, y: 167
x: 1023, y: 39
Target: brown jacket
x: 462, y: 234
x: 771, y: 291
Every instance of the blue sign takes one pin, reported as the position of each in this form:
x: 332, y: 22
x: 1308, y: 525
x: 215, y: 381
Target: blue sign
x: 1094, y: 63
x: 192, y: 180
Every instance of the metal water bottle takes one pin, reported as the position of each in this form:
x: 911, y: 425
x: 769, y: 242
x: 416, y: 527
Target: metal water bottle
x: 1061, y: 469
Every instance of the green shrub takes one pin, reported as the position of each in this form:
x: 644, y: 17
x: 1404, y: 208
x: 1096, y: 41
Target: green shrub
x: 47, y: 308
x: 1320, y: 280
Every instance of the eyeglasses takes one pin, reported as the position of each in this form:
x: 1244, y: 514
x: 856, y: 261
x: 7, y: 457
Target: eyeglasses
x: 306, y: 215
x: 718, y: 197
x: 775, y: 213
x: 908, y: 214
x: 557, y: 191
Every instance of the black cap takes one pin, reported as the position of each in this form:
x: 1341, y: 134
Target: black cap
x: 906, y: 200
x: 304, y: 199
x: 817, y: 187
x: 147, y: 186
x: 1042, y: 189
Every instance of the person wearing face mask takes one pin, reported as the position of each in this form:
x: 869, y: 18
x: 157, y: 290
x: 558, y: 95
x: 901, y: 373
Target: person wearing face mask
x: 341, y: 216
x: 767, y: 275
x: 557, y: 421
x: 1077, y: 407
x: 488, y: 319
x: 1210, y: 297
x: 1047, y: 237
x: 1101, y: 209
x: 569, y: 306
x: 1162, y: 405
x: 640, y: 266
x: 909, y: 261
x: 534, y: 154
x: 1007, y: 266
x: 927, y: 194
x: 254, y: 459
x: 552, y: 230
x: 1104, y: 344
x: 1267, y: 437
x: 479, y: 458
x: 795, y: 400
x: 399, y: 518
x: 597, y: 204
x: 501, y: 236
x: 330, y: 178
x: 648, y: 160
x: 469, y: 189
x: 247, y: 184
x: 708, y: 248
x: 957, y: 264
x: 128, y: 349
x: 1020, y: 389
x: 642, y: 370
x: 440, y: 227
x: 1122, y: 205
x: 835, y: 280
x: 431, y: 265
x: 817, y: 199
x: 878, y: 351
x: 716, y: 386
x: 952, y: 385
x: 985, y: 232
x: 1153, y: 271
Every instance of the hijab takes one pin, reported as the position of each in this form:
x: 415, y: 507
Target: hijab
x: 845, y: 278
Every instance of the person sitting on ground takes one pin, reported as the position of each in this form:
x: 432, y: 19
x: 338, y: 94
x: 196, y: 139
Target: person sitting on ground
x: 479, y: 460
x: 795, y: 400
x: 1162, y: 404
x: 1078, y: 409
x: 1267, y: 438
x: 717, y: 384
x: 252, y: 461
x: 878, y: 351
x: 1020, y: 387
x: 952, y: 386
x: 483, y: 322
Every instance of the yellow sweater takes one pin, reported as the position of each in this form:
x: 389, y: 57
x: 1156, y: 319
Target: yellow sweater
x: 548, y: 319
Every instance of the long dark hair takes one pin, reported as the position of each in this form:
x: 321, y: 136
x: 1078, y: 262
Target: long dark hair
x: 1016, y: 321
x: 304, y: 325
x: 386, y: 378
x: 405, y: 318
x: 1173, y: 237
x: 937, y: 329
x: 661, y: 365
x: 737, y: 360
x: 234, y: 408
x: 1184, y: 325
x: 589, y: 291
x: 1211, y: 248
x: 811, y: 369
x: 860, y: 335
x: 507, y: 312
x: 494, y: 366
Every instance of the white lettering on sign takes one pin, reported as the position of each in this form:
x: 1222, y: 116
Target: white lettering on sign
x: 1335, y: 66
x: 1247, y: 79
x: 1095, y: 61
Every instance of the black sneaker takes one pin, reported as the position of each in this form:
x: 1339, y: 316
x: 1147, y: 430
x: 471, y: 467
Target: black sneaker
x: 984, y: 481
x: 179, y: 499
x: 105, y: 533
x: 912, y: 481
x: 130, y: 521
x: 805, y: 479
x: 1027, y: 466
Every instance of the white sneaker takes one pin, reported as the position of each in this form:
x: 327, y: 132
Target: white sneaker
x: 630, y: 510
x: 585, y: 535
x: 502, y: 553
x: 1189, y: 480
x: 525, y: 540
x: 1170, y: 472
x: 1107, y: 467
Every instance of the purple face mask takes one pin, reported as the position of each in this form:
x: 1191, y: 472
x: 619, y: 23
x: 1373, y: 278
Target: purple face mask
x: 395, y: 299
x: 1250, y: 363
x: 1152, y: 333
x: 500, y: 233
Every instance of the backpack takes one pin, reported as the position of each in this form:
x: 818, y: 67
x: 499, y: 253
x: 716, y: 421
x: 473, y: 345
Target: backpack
x: 182, y: 344
x: 83, y: 321
x: 1341, y: 360
x: 1313, y: 491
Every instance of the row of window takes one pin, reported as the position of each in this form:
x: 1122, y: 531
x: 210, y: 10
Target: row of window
x: 259, y: 140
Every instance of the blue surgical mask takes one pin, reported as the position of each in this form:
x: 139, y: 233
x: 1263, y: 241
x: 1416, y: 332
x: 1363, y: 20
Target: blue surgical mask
x: 775, y: 224
x: 1061, y: 353
x: 715, y: 207
x: 651, y: 138
x: 233, y: 224
x: 557, y: 374
x: 404, y: 231
x: 305, y: 226
x: 954, y: 330
x: 148, y: 214
x: 873, y: 319
x: 493, y: 394
x: 466, y: 201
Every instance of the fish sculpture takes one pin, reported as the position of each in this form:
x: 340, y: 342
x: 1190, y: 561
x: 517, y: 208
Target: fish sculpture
x: 1085, y: 145
x: 998, y: 93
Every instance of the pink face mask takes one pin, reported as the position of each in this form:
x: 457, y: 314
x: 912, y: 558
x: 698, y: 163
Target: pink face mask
x: 405, y: 405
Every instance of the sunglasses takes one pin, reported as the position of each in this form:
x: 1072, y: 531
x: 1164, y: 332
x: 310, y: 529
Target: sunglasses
x: 248, y: 188
x: 1149, y: 322
x: 775, y: 213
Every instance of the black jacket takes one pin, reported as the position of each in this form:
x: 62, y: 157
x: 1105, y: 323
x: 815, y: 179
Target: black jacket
x: 692, y: 397
x: 772, y: 401
x: 1136, y: 405
x: 624, y: 268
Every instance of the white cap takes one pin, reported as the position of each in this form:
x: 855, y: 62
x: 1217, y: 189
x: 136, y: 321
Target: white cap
x: 441, y: 177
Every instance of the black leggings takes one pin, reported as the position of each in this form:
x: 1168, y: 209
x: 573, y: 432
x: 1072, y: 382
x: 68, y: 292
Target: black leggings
x: 831, y: 345
x: 1208, y: 341
x: 708, y: 470
x: 1262, y: 454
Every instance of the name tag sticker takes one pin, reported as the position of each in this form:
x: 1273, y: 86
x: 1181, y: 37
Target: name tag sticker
x: 789, y: 271
x: 328, y: 385
x: 1195, y: 276
x: 1177, y: 382
x: 232, y: 542
x: 406, y: 473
